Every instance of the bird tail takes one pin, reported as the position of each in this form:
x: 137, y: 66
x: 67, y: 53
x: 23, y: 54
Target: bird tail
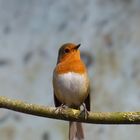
x: 76, y: 131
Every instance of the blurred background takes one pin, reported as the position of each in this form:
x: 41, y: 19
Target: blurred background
x: 31, y: 32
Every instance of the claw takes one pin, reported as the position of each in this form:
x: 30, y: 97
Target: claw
x: 85, y: 111
x: 60, y: 108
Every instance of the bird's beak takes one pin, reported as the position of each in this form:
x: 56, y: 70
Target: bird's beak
x: 77, y: 46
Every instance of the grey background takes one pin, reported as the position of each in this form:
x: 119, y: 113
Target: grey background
x: 31, y: 31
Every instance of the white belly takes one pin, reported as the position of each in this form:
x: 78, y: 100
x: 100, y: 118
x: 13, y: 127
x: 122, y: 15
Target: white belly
x: 71, y: 88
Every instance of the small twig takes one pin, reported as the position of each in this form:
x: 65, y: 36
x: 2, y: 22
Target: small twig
x: 71, y: 114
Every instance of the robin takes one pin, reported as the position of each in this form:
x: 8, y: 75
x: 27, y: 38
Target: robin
x: 71, y: 85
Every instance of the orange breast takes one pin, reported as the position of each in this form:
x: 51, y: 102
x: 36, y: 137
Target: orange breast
x: 76, y: 66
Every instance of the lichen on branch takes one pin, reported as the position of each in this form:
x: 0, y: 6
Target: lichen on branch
x: 70, y: 114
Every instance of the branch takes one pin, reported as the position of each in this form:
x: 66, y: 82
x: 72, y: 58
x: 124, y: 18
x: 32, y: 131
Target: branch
x: 71, y: 114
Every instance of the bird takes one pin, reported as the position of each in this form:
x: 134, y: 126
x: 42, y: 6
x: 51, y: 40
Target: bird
x: 71, y: 85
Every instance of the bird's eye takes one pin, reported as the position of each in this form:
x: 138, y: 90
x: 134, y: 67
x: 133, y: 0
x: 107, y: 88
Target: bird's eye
x: 66, y: 51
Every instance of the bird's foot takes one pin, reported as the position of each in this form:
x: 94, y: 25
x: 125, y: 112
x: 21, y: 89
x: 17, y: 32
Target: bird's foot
x: 60, y: 108
x: 84, y: 111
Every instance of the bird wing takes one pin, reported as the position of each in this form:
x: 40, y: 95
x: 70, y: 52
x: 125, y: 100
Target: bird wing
x: 56, y: 101
x: 87, y: 100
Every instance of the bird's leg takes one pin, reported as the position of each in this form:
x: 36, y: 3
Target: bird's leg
x: 85, y: 111
x: 60, y: 108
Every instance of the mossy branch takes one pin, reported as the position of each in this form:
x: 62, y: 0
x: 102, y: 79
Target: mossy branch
x: 71, y: 114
